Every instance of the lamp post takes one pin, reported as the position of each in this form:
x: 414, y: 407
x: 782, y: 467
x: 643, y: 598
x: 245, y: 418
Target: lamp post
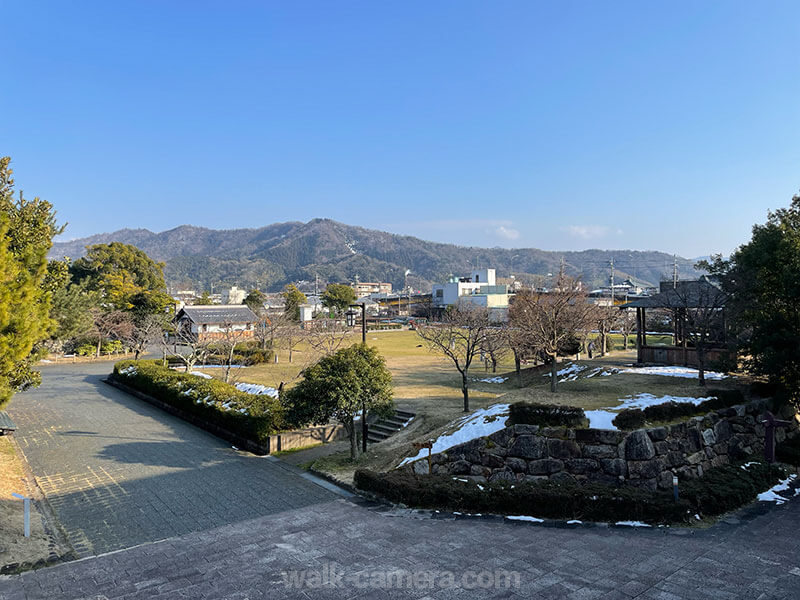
x: 351, y: 322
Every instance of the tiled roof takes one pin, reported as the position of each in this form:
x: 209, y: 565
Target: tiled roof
x: 221, y: 313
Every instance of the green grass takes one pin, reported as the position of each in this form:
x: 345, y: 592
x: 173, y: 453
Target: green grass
x: 280, y: 453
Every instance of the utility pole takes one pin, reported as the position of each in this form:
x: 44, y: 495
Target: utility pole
x: 612, y: 282
x: 675, y: 271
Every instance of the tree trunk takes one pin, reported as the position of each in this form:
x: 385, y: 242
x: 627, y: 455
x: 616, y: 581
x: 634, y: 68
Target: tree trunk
x: 465, y: 390
x: 353, y: 440
x: 553, y: 374
x: 624, y: 340
x: 518, y: 368
x: 99, y: 343
x: 494, y: 365
x: 701, y: 366
x: 364, y: 429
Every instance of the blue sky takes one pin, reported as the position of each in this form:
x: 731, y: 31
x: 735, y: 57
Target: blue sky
x: 563, y: 125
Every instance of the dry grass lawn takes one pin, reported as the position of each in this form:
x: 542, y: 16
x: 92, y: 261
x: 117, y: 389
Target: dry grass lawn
x: 14, y: 546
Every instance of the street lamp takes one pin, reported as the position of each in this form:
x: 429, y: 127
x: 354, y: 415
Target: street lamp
x: 351, y: 314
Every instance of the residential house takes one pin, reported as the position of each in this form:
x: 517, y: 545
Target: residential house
x: 480, y: 288
x: 216, y: 321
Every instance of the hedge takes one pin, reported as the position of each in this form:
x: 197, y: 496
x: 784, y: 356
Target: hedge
x: 546, y: 415
x: 592, y: 502
x: 720, y: 490
x: 635, y: 418
x: 254, y: 417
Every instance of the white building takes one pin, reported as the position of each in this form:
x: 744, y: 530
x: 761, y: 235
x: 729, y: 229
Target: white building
x: 216, y: 322
x: 479, y: 289
x: 236, y: 295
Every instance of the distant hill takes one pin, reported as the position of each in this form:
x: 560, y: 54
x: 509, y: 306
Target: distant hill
x: 274, y: 255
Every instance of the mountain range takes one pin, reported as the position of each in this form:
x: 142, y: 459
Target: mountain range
x: 270, y: 257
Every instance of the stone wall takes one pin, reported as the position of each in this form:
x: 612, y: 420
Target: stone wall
x: 645, y: 458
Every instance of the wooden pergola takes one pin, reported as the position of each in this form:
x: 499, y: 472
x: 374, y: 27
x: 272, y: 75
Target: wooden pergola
x: 679, y: 298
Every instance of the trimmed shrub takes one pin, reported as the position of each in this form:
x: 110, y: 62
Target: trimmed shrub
x: 247, y: 353
x: 788, y: 451
x: 723, y: 489
x: 592, y: 502
x: 546, y: 415
x: 720, y: 490
x: 251, y: 416
x: 630, y: 418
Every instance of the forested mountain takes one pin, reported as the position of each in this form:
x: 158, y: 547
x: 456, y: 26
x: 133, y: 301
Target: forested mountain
x: 274, y: 255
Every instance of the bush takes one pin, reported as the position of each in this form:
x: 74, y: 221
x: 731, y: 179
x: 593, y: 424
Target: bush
x: 592, y: 502
x: 546, y: 415
x: 635, y: 418
x: 720, y: 490
x: 246, y: 353
x: 630, y: 418
x: 788, y: 452
x: 111, y: 347
x: 723, y: 489
x: 86, y: 350
x: 254, y: 417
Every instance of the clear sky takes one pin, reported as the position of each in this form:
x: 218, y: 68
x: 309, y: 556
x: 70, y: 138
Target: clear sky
x: 561, y: 125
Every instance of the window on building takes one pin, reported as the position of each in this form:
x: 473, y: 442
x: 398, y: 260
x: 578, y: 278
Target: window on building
x: 439, y: 293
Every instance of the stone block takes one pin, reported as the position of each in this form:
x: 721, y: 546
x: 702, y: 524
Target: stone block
x: 420, y: 467
x: 665, y: 480
x: 480, y: 471
x: 657, y: 434
x: 675, y: 459
x: 502, y: 437
x: 599, y: 436
x: 694, y: 439
x: 459, y: 467
x: 638, y: 446
x: 614, y: 466
x: 661, y: 448
x: 604, y: 478
x: 492, y: 460
x: 518, y: 465
x: 525, y: 429
x: 545, y: 466
x: 535, y: 478
x: 599, y: 451
x: 528, y: 446
x: 581, y: 466
x: 563, y: 448
x: 645, y: 484
x: 696, y: 458
x: 644, y: 469
x: 709, y: 439
x: 555, y: 432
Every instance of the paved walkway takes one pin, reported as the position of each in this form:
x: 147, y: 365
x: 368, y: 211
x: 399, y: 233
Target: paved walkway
x: 119, y: 472
x: 342, y: 550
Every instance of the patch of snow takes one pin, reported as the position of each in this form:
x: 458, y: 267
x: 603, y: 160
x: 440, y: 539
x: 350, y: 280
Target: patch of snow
x: 492, y: 380
x: 524, y: 518
x: 200, y: 374
x: 128, y: 371
x: 574, y: 522
x: 406, y: 423
x: 602, y: 418
x: 44, y: 360
x: 771, y: 495
x: 747, y: 465
x: 256, y: 389
x: 480, y: 423
x: 221, y: 366
x: 633, y: 524
x: 674, y: 371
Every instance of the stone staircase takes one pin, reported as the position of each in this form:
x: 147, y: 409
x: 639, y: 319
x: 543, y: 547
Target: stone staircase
x: 383, y: 428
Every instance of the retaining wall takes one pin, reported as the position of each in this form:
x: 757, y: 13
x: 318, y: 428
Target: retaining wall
x: 645, y: 458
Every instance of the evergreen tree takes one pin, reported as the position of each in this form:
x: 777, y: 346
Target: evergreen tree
x: 27, y: 228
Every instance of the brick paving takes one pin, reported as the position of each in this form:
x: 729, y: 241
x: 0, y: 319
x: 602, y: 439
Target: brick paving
x: 359, y: 547
x: 119, y: 472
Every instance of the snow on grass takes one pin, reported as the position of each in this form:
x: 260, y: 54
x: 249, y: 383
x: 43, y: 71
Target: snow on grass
x: 574, y: 522
x: 200, y: 374
x: 128, y: 371
x: 602, y: 371
x: 492, y: 380
x: 602, y: 418
x: 478, y: 424
x: 633, y: 524
x: 771, y: 495
x: 673, y: 371
x: 524, y: 518
x: 256, y: 389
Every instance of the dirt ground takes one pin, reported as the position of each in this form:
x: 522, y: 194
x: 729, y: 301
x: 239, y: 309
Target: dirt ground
x: 14, y: 546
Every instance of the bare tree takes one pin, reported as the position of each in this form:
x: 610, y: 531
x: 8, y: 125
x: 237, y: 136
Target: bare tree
x: 226, y: 343
x: 495, y: 345
x: 550, y: 320
x: 326, y: 336
x: 460, y: 337
x: 188, y: 346
x: 605, y: 317
x: 146, y: 331
x: 626, y: 322
x: 114, y: 325
x: 701, y: 319
x: 289, y: 336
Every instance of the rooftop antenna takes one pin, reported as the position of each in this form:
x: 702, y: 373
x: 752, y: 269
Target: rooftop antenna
x: 675, y: 271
